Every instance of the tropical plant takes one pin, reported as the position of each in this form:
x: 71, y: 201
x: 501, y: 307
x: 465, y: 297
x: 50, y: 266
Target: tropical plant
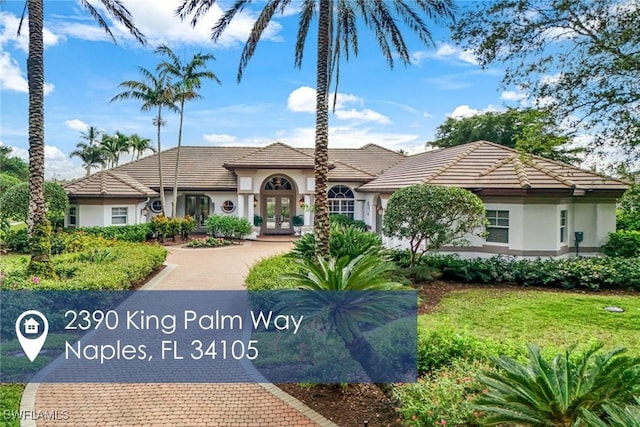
x: 558, y: 393
x: 154, y: 91
x: 187, y: 81
x: 14, y: 203
x: 614, y: 416
x: 13, y: 166
x: 336, y: 37
x: 431, y: 216
x: 92, y: 135
x: 139, y: 145
x: 7, y: 181
x: 91, y: 155
x: 344, y: 240
x: 35, y: 76
x: 322, y: 282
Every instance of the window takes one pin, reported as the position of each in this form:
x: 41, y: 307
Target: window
x: 341, y: 200
x: 498, y: 227
x: 278, y: 183
x: 228, y: 206
x: 118, y: 216
x: 156, y: 206
x: 72, y: 220
x: 563, y: 226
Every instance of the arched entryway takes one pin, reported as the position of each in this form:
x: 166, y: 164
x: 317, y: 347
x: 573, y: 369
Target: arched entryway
x: 278, y: 196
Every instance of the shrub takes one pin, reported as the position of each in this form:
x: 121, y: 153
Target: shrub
x: 187, y: 226
x: 127, y: 233
x: 228, y: 226
x: 347, y: 240
x: 17, y: 241
x: 160, y: 227
x: 347, y: 220
x: 443, y: 397
x: 267, y: 273
x: 15, y: 202
x: 209, y: 242
x: 623, y: 244
x: 557, y: 392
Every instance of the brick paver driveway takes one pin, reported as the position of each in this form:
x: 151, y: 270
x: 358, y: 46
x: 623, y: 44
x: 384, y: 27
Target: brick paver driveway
x: 181, y: 404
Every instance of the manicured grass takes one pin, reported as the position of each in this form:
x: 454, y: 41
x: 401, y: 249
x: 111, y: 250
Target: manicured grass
x: 550, y: 319
x: 10, y: 395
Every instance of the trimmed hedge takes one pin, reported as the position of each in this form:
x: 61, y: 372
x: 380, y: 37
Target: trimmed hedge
x: 265, y: 275
x: 126, y: 233
x: 228, y: 226
x: 591, y: 273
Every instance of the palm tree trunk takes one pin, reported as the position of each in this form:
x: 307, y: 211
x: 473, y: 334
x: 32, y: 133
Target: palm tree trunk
x: 162, y: 199
x: 175, y: 175
x: 321, y: 214
x: 39, y: 228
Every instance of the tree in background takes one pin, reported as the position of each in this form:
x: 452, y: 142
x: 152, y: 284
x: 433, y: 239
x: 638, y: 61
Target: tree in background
x: 337, y: 36
x: 155, y: 92
x: 431, y: 216
x: 92, y: 156
x: 39, y: 228
x: 187, y: 81
x: 529, y: 130
x: 579, y: 56
x: 139, y: 145
x: 14, y: 203
x: 13, y: 166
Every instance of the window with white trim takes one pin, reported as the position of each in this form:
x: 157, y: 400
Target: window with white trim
x: 498, y: 227
x: 563, y: 226
x: 228, y: 206
x: 119, y: 216
x: 341, y: 200
x: 72, y: 217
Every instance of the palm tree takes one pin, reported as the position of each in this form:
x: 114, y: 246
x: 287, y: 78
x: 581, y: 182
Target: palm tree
x: 91, y: 135
x: 39, y: 228
x: 91, y: 155
x: 109, y: 146
x: 188, y: 79
x: 336, y: 36
x: 323, y: 283
x: 139, y: 145
x: 122, y: 145
x: 155, y: 91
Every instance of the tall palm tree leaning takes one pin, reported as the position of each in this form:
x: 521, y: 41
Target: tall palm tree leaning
x: 188, y: 79
x: 155, y: 91
x: 337, y: 36
x: 39, y: 227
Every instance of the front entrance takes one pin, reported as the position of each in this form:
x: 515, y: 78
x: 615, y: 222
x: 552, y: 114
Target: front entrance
x: 197, y: 206
x: 278, y: 196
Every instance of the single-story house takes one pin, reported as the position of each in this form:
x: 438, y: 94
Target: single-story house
x: 535, y: 206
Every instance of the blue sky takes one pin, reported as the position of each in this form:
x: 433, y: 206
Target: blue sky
x: 398, y: 108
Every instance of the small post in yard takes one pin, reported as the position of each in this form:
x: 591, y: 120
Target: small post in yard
x: 579, y: 236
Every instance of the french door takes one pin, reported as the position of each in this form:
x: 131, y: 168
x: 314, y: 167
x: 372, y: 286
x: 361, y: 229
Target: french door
x: 197, y: 206
x: 277, y: 215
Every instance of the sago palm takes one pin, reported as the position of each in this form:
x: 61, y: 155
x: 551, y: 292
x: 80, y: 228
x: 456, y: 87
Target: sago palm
x: 557, y: 393
x: 187, y: 80
x: 37, y: 221
x: 344, y: 294
x: 155, y: 91
x: 614, y: 416
x: 337, y: 36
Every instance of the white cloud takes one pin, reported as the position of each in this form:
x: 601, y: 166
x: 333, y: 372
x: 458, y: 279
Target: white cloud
x: 219, y: 139
x: 76, y: 124
x: 302, y: 100
x: 513, y: 95
x: 464, y: 111
x: 348, y: 137
x: 365, y: 115
x: 9, y: 33
x: 57, y: 165
x: 445, y: 51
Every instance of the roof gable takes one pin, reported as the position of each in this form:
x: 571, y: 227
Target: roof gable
x: 273, y: 156
x: 109, y: 183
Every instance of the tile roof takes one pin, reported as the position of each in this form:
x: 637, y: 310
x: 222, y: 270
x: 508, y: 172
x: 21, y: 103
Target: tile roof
x: 109, y: 184
x: 486, y: 165
x: 273, y: 156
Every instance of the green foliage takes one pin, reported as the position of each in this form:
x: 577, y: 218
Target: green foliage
x: 14, y: 203
x: 431, y: 216
x: 344, y: 240
x: 13, y: 166
x: 614, y: 416
x: 40, y: 248
x: 10, y: 396
x: 187, y: 226
x: 594, y: 66
x: 443, y: 397
x: 160, y: 226
x: 267, y: 274
x: 557, y: 392
x: 297, y: 221
x: 107, y: 265
x: 628, y: 214
x: 348, y: 221
x: 228, y: 226
x: 623, y: 244
x: 209, y: 242
x: 529, y: 130
x: 257, y: 220
x: 17, y: 241
x: 127, y: 233
x: 7, y: 181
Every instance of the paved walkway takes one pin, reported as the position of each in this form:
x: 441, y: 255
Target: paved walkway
x: 258, y: 405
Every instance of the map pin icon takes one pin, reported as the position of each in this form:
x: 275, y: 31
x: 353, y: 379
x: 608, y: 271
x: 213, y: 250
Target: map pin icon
x: 36, y: 327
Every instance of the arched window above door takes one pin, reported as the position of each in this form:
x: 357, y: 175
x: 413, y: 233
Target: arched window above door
x: 277, y: 183
x: 341, y: 200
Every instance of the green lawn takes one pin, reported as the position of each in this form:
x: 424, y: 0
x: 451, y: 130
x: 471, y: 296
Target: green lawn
x: 554, y: 319
x: 10, y: 395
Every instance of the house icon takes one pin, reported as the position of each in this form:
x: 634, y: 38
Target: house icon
x: 31, y: 326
